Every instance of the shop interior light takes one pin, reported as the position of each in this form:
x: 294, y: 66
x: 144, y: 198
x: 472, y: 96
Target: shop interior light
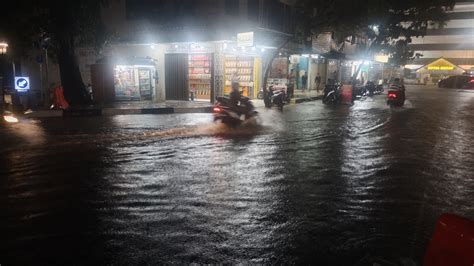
x: 152, y: 46
x: 175, y: 46
x: 263, y: 50
x: 225, y: 46
x: 315, y: 56
x: 253, y: 48
x: 280, y: 54
x: 305, y: 55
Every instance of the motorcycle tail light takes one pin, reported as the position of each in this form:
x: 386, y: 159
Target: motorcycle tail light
x: 216, y: 109
x: 392, y: 95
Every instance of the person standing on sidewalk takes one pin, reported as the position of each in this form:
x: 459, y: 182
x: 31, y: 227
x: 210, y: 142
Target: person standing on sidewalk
x: 304, y: 80
x: 291, y: 85
x: 317, y: 81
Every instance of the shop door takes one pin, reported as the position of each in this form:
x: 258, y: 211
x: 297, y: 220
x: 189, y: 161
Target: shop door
x: 176, y: 77
x: 144, y: 82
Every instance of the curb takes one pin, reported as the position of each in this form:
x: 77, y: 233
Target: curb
x: 90, y: 112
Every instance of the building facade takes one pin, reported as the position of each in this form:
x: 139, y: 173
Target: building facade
x: 195, y: 46
x: 454, y: 43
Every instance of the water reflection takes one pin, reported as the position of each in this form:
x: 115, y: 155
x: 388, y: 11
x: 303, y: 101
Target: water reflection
x: 314, y: 184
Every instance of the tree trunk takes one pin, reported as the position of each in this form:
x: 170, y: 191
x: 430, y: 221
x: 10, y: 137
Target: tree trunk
x: 266, y: 98
x: 71, y: 79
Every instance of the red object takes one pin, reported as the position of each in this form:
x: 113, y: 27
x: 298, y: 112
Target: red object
x: 452, y: 242
x: 58, y: 100
x: 392, y: 95
x: 346, y: 94
x: 216, y: 109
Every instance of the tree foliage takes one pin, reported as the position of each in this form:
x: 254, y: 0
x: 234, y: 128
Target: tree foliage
x: 58, y: 26
x: 386, y: 25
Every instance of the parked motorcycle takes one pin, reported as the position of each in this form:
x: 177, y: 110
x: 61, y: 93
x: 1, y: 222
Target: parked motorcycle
x: 277, y: 97
x: 233, y: 115
x: 378, y: 89
x: 332, y: 94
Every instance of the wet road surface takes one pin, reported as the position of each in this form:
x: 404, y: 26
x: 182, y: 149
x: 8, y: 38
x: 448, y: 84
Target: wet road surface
x: 315, y: 184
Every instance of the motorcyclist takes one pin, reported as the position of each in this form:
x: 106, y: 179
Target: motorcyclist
x: 235, y: 95
x: 400, y: 86
x: 235, y: 98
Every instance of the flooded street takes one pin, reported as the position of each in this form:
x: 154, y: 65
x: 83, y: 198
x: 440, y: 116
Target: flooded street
x: 335, y: 185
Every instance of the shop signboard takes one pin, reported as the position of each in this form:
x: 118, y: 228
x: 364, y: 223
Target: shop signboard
x: 245, y: 39
x: 200, y: 47
x: 22, y: 84
x: 381, y: 58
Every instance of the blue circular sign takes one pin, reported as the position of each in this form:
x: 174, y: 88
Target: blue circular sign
x: 22, y: 83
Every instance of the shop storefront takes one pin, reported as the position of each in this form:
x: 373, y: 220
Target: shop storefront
x: 133, y: 82
x: 437, y: 70
x: 278, y: 76
x: 244, y: 67
x: 298, y: 70
x: 189, y: 71
x: 200, y: 77
x: 132, y: 79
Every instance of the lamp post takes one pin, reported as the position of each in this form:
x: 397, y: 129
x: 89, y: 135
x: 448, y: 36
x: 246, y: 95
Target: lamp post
x: 3, y: 52
x: 3, y: 48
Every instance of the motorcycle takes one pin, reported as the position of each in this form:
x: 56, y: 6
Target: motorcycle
x: 332, y: 94
x: 378, y: 89
x: 396, y: 95
x: 233, y: 115
x: 277, y: 97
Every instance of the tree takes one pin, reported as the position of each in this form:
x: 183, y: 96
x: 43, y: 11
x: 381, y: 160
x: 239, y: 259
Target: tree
x: 388, y: 26
x: 67, y: 24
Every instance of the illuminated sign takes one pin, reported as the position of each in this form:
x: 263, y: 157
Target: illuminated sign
x: 440, y: 68
x: 245, y: 39
x: 381, y: 58
x: 22, y: 84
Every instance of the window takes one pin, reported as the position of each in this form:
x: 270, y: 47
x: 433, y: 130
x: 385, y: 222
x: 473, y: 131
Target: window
x: 232, y: 7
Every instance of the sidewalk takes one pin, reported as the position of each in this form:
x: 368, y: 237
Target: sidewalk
x: 307, y: 95
x: 149, y: 107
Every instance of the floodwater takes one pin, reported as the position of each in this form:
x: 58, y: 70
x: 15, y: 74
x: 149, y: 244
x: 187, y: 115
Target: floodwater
x: 334, y: 185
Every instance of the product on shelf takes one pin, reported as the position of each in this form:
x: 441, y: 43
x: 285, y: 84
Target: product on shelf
x: 199, y: 77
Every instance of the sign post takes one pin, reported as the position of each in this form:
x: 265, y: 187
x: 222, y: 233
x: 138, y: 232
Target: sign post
x: 22, y: 84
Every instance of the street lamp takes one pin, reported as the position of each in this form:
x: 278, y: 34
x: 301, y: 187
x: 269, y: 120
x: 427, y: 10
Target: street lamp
x: 3, y: 48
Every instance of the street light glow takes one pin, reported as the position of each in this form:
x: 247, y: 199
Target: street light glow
x: 3, y: 47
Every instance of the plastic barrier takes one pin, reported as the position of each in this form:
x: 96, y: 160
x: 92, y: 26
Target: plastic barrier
x: 452, y: 242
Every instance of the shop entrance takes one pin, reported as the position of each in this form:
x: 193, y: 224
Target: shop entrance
x: 201, y: 76
x: 176, y: 77
x: 145, y: 83
x: 134, y: 83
